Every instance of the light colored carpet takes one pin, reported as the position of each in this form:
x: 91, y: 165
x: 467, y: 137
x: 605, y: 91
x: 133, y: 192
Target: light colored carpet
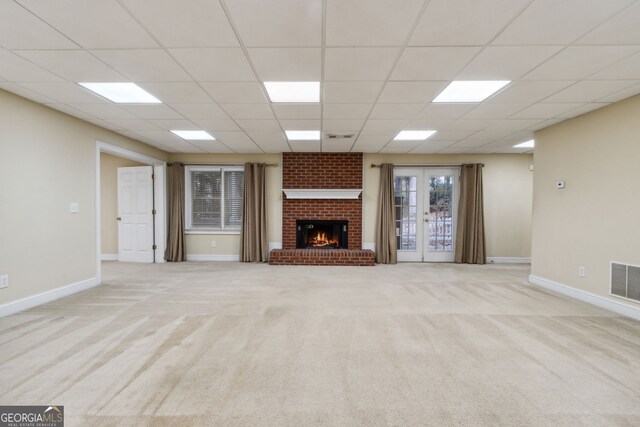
x: 246, y: 344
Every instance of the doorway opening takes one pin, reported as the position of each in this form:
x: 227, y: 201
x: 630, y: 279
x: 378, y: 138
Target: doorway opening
x: 130, y: 206
x: 426, y: 201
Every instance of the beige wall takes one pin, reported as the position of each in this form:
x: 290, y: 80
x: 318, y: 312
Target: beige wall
x: 594, y: 220
x: 507, y: 196
x: 47, y: 160
x: 229, y: 244
x: 109, y: 200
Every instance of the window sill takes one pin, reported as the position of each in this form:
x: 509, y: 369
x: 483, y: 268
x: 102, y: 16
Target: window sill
x: 232, y: 232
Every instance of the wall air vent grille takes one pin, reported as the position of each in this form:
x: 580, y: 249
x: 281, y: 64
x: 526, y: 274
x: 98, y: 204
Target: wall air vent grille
x: 625, y: 281
x: 339, y: 136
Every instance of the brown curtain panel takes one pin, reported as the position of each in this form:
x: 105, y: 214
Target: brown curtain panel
x: 254, y: 246
x: 386, y: 243
x: 176, y: 250
x: 470, y: 241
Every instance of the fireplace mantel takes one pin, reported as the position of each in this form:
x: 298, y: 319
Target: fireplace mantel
x: 321, y: 193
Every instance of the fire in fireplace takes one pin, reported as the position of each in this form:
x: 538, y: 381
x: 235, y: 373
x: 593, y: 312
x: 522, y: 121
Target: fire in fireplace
x: 319, y: 234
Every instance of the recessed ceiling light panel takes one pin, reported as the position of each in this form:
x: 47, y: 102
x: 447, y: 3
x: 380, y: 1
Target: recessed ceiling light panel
x: 122, y: 93
x: 303, y: 135
x: 293, y: 91
x: 193, y: 135
x: 470, y: 90
x: 414, y: 135
x: 527, y: 144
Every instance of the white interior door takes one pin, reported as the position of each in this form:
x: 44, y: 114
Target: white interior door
x: 426, y: 201
x: 135, y: 214
x: 440, y: 213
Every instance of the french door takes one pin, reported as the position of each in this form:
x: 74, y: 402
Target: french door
x: 426, y: 201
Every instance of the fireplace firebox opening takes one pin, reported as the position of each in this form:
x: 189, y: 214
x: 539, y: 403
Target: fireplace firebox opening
x: 321, y: 234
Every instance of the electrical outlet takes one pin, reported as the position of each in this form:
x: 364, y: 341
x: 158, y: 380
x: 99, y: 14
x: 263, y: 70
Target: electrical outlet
x: 74, y: 207
x: 582, y: 271
x: 4, y: 281
x: 213, y: 243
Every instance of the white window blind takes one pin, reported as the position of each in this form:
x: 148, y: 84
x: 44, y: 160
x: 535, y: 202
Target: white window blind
x: 213, y: 198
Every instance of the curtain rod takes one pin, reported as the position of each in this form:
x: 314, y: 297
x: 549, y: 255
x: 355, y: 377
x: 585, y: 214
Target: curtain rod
x: 219, y: 164
x: 439, y: 165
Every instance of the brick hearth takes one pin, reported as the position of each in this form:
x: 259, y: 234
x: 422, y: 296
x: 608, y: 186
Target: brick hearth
x: 322, y: 171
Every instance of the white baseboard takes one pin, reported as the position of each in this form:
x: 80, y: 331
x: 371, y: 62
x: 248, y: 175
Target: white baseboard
x: 108, y: 257
x: 371, y: 246
x: 45, y: 297
x: 588, y: 297
x: 507, y: 260
x: 212, y: 257
x: 275, y: 245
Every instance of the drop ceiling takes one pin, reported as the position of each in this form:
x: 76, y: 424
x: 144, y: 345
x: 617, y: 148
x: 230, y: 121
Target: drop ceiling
x: 380, y: 63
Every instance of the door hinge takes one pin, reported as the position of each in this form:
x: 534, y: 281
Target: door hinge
x: 153, y: 176
x: 154, y: 247
x: 153, y: 212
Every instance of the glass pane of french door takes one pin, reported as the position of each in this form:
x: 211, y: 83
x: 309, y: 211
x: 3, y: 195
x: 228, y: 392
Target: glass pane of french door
x: 406, y: 211
x: 440, y: 214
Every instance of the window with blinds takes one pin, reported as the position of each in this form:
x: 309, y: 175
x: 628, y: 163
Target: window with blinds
x: 213, y: 198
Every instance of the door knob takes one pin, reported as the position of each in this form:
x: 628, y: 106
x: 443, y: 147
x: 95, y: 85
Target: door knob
x: 119, y: 219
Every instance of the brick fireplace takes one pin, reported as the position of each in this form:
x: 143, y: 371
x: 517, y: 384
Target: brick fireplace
x: 322, y: 188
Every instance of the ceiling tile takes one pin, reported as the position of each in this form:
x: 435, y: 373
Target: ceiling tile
x: 215, y: 64
x: 372, y: 126
x: 411, y: 92
x: 174, y: 124
x: 585, y: 108
x: 590, y: 90
x: 431, y: 146
x: 217, y: 124
x: 270, y: 141
x: 65, y: 93
x: 544, y: 110
x: 210, y: 147
x: 350, y: 23
x: 358, y: 64
x: 134, y: 124
x: 444, y: 111
x: 305, y: 146
x: 297, y: 111
x: 287, y: 64
x: 494, y: 110
x: 450, y: 135
x: 371, y: 143
x: 73, y: 65
x: 453, y: 150
x: 620, y: 29
x: 552, y: 22
x: 17, y: 69
x: 186, y: 23
x: 514, y: 124
x: 544, y: 124
x: 432, y: 63
x: 93, y: 25
x: 464, y: 22
x: 628, y: 68
x: 622, y: 94
x: 470, y: 124
x: 578, y: 62
x: 530, y: 91
x: 157, y: 111
x: 467, y: 143
x: 351, y: 92
x: 20, y: 29
x: 200, y: 111
x: 25, y: 93
x: 336, y: 146
x: 346, y: 111
x: 506, y: 62
x: 395, y: 111
x: 249, y: 111
x: 342, y: 126
x: 236, y: 92
x: 178, y: 92
x: 239, y: 142
x: 277, y: 22
x: 300, y: 124
x: 431, y: 124
x: 105, y: 111
x: 394, y: 149
x: 248, y: 125
x: 485, y: 135
x: 144, y: 65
